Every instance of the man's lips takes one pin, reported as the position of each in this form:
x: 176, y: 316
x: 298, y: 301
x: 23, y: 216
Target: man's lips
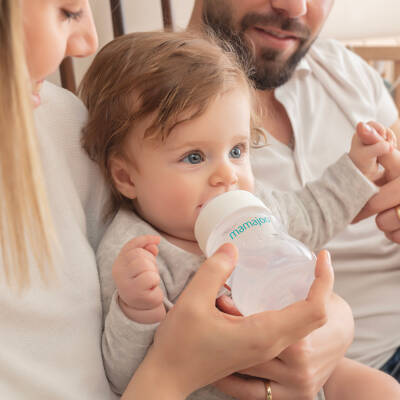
x: 278, y: 33
x: 274, y: 38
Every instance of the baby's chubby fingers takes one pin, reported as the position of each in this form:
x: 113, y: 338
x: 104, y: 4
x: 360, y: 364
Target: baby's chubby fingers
x: 146, y: 242
x: 391, y: 137
x: 147, y: 280
x: 379, y: 128
x: 152, y: 248
x: 140, y: 260
x: 133, y: 254
x: 371, y: 132
x: 144, y: 292
x: 137, y: 273
x: 376, y: 150
x: 368, y: 146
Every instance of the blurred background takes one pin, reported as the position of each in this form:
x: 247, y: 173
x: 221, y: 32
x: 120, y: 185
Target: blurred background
x: 369, y: 27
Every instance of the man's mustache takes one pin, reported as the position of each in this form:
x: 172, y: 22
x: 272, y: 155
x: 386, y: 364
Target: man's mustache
x: 276, y: 21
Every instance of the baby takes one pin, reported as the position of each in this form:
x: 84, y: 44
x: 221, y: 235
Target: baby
x: 172, y: 118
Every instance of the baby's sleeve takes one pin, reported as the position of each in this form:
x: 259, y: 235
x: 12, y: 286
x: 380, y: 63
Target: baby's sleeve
x: 124, y: 342
x: 124, y: 345
x: 324, y: 207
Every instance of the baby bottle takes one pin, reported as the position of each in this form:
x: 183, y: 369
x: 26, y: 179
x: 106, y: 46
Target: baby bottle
x: 273, y: 269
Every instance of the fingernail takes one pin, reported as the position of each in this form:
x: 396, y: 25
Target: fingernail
x: 328, y: 257
x: 367, y: 127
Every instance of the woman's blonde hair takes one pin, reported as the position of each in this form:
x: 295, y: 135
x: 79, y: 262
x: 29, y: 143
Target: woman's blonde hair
x: 168, y: 76
x: 26, y: 233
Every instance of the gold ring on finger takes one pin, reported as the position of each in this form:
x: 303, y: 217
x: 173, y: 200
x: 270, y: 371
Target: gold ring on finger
x: 397, y: 209
x: 268, y: 391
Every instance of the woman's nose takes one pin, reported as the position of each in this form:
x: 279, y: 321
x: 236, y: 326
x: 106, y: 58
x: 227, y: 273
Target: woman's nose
x: 83, y: 41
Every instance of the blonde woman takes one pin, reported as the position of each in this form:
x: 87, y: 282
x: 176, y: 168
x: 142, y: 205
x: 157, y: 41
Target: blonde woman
x: 51, y: 202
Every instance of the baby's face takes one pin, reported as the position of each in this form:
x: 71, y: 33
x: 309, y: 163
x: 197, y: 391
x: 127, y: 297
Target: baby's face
x: 200, y: 159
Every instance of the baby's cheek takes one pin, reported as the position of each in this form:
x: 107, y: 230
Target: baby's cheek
x: 247, y: 182
x: 251, y: 185
x: 181, y: 200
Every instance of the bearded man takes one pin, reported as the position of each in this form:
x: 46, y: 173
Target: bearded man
x: 313, y: 92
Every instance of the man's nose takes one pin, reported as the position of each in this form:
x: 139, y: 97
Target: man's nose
x: 291, y: 8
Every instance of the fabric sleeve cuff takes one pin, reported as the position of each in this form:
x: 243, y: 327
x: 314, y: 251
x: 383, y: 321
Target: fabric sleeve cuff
x: 142, y: 333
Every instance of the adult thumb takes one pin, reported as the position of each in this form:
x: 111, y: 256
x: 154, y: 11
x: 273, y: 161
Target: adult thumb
x: 212, y: 275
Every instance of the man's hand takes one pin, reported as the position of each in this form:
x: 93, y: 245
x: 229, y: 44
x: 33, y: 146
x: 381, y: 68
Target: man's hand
x: 385, y: 204
x: 387, y: 201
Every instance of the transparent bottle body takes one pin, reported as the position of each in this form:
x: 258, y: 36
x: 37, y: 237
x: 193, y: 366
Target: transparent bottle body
x: 273, y: 269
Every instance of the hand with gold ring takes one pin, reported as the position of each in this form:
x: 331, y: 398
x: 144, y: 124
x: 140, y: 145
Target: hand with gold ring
x: 296, y: 360
x: 313, y: 358
x: 239, y: 341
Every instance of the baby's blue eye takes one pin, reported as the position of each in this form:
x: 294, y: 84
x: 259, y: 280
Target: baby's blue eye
x: 235, y: 152
x: 193, y: 158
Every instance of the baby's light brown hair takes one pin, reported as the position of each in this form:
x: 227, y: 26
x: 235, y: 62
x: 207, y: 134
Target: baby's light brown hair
x: 169, y: 76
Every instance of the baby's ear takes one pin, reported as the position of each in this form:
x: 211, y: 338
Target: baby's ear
x: 121, y: 174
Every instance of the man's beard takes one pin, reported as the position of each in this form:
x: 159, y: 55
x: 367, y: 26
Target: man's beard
x: 266, y: 71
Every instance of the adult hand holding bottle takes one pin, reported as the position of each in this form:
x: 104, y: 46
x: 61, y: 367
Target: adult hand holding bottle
x: 197, y: 344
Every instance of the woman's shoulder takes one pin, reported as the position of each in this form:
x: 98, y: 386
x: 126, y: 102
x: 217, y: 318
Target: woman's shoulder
x: 69, y: 172
x: 56, y: 98
x: 60, y: 116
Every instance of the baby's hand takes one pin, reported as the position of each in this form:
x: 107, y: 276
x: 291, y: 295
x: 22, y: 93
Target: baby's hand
x: 137, y: 279
x: 391, y: 160
x: 369, y: 144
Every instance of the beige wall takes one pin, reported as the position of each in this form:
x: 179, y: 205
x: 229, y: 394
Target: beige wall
x: 354, y: 19
x: 349, y: 19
